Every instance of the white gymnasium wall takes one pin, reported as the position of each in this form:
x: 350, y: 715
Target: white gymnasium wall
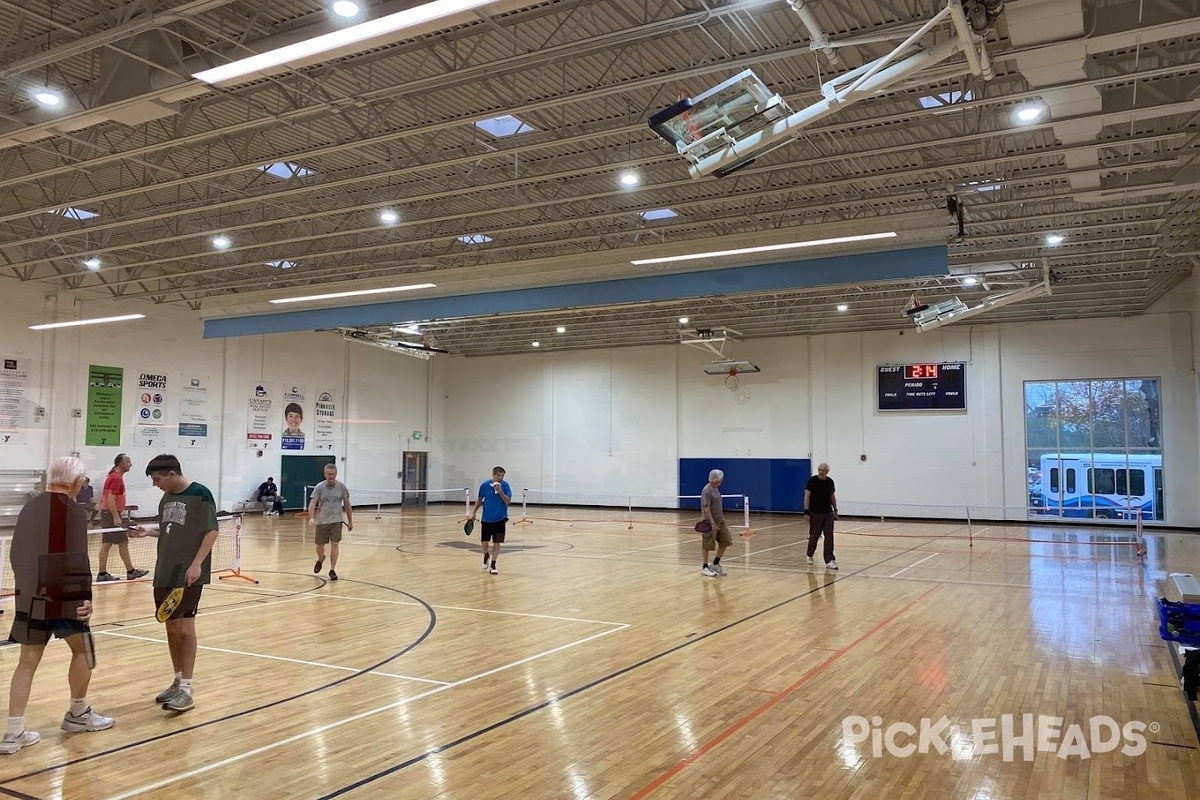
x: 383, y: 397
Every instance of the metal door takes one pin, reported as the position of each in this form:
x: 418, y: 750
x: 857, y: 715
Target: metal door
x: 416, y: 464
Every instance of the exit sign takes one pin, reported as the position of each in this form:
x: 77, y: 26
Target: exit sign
x: 416, y: 435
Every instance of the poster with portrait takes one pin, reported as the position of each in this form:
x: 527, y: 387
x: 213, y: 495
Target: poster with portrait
x: 293, y: 437
x: 260, y: 424
x: 14, y: 409
x: 325, y: 405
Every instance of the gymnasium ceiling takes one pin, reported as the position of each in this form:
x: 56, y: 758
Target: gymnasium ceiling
x: 141, y: 165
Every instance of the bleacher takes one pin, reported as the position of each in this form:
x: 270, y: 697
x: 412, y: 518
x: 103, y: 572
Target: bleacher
x: 16, y: 488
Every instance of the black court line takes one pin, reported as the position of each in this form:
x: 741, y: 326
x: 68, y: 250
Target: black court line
x: 1191, y: 704
x: 1173, y: 744
x: 605, y: 679
x: 18, y: 795
x: 407, y: 649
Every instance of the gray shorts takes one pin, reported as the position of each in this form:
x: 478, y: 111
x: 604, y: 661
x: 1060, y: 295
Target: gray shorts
x: 329, y: 533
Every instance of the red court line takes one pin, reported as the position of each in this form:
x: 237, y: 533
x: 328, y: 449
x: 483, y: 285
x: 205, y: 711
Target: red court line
x: 769, y: 704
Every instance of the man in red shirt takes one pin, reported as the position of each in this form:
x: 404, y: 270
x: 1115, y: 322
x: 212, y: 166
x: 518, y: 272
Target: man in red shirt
x: 112, y: 515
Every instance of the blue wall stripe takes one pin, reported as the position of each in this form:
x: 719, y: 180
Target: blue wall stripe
x: 830, y: 270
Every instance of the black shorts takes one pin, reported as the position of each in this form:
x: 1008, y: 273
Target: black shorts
x: 116, y: 537
x: 493, y: 531
x: 189, y: 606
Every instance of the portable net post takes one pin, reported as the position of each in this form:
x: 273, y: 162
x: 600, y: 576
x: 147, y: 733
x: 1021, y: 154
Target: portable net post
x: 629, y: 503
x: 746, y: 514
x: 466, y: 503
x: 5, y: 590
x: 970, y: 529
x: 1141, y: 542
x: 235, y: 571
x: 525, y: 520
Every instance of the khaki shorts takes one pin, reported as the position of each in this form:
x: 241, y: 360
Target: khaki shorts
x: 720, y: 536
x: 329, y: 533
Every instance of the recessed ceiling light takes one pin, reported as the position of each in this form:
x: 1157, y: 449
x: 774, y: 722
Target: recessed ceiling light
x: 345, y: 8
x: 536, y: 344
x: 767, y: 248
x: 1029, y: 113
x: 92, y: 263
x: 1055, y: 239
x: 683, y: 320
x: 843, y: 307
x: 221, y: 242
x: 48, y: 97
x: 970, y: 280
x: 561, y: 329
x: 75, y: 323
x: 629, y: 178
x: 387, y: 216
x: 354, y: 293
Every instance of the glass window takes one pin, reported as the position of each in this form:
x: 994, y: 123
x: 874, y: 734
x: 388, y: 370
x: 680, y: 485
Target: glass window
x: 1101, y: 481
x: 1070, y: 481
x: 1054, y: 479
x: 1135, y: 487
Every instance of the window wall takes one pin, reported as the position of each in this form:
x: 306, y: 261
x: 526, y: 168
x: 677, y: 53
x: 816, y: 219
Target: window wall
x: 1094, y: 448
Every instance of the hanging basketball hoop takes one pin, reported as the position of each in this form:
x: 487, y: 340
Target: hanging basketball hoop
x: 731, y: 380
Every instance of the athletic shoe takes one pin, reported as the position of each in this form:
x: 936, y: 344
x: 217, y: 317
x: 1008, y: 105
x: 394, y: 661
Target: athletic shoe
x: 485, y: 566
x: 134, y: 574
x: 709, y: 573
x: 168, y: 693
x: 809, y: 560
x: 180, y: 701
x: 86, y: 722
x: 831, y: 564
x: 332, y: 575
x: 494, y: 571
x: 719, y: 569
x: 13, y: 743
x: 106, y: 577
x: 317, y: 566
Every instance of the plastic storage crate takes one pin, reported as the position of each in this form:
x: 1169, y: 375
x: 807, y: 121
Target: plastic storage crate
x: 1179, y: 622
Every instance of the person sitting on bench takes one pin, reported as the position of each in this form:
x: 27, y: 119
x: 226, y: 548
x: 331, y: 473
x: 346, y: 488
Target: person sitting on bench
x: 268, y: 495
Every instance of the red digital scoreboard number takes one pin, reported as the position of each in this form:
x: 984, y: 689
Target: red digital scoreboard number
x: 916, y: 372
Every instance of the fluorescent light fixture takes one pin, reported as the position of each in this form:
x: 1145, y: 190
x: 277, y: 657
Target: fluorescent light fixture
x: 354, y: 293
x: 683, y: 320
x: 629, y: 178
x: 475, y: 238
x: 78, y: 322
x: 285, y: 170
x: 79, y: 214
x: 345, y: 8
x: 843, y: 307
x: 48, y: 97
x: 92, y: 263
x: 504, y: 125
x: 947, y: 99
x: 1029, y: 113
x: 561, y: 329
x: 1055, y: 239
x: 535, y: 344
x: 984, y: 186
x: 970, y: 280
x: 388, y: 217
x: 413, y: 329
x: 337, y: 40
x: 658, y: 213
x: 221, y: 242
x: 281, y: 264
x: 769, y: 248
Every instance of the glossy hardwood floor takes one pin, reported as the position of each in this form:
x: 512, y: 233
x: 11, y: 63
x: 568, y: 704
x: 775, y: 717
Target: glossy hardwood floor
x: 599, y: 663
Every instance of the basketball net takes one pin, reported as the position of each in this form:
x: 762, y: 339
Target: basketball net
x: 731, y: 381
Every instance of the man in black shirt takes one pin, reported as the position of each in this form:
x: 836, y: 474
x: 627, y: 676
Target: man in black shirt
x: 268, y: 495
x: 820, y: 504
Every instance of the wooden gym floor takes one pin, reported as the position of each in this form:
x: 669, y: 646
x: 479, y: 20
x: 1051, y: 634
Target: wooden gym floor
x: 599, y: 663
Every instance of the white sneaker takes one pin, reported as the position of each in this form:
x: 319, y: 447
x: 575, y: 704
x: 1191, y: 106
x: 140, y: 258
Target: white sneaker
x: 809, y: 560
x: 485, y: 566
x: 831, y: 564
x: 13, y: 743
x: 86, y: 722
x: 709, y: 573
x: 719, y: 569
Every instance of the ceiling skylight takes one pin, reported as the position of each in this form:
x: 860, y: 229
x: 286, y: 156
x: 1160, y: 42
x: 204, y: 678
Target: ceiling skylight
x: 504, y: 125
x: 75, y: 213
x: 947, y: 99
x: 475, y: 238
x: 281, y: 264
x: 658, y: 213
x: 285, y: 170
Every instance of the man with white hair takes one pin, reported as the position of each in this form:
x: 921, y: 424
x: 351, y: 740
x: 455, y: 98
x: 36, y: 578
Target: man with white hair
x: 49, y: 555
x: 718, y: 537
x: 820, y: 504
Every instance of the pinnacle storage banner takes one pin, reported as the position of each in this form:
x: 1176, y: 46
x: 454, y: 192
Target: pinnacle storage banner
x: 293, y: 437
x: 152, y: 398
x: 14, y: 412
x: 260, y: 422
x: 193, y: 412
x: 324, y: 416
x: 105, y: 385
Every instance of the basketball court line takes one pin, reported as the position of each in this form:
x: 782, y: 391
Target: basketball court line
x: 182, y: 776
x: 213, y: 613
x: 279, y: 658
x: 906, y: 569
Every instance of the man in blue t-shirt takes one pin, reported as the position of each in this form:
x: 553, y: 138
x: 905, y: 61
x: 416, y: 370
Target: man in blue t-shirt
x: 494, y: 496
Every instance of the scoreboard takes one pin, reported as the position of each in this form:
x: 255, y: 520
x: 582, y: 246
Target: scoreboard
x: 923, y: 387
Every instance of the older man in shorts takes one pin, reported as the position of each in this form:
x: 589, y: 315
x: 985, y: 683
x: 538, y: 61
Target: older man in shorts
x: 719, y: 538
x: 329, y: 500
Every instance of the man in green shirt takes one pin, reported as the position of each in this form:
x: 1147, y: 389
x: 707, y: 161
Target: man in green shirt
x: 187, y: 531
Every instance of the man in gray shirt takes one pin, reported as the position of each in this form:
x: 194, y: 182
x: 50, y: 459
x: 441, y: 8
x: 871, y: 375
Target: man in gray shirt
x: 719, y: 537
x: 329, y: 499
